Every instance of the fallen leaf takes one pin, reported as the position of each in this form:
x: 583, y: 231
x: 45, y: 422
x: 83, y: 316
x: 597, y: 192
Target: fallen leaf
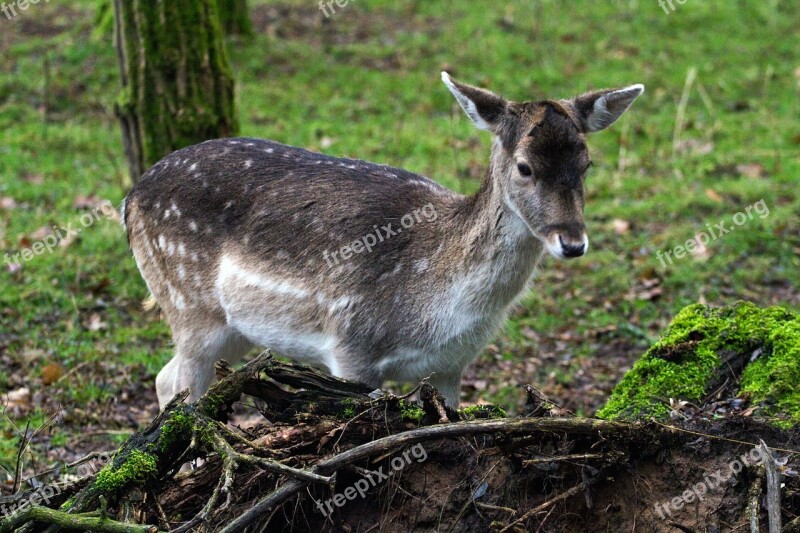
x: 51, y: 373
x: 41, y: 233
x: 31, y: 355
x: 67, y: 241
x: 750, y: 170
x: 621, y: 227
x: 96, y: 322
x: 6, y: 202
x: 86, y: 202
x: 18, y: 398
x: 714, y: 196
x: 700, y: 251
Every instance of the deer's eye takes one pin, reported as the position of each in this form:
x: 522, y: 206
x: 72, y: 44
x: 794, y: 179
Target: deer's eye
x: 524, y: 169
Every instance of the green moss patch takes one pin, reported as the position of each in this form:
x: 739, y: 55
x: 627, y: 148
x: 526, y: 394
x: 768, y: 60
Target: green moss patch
x: 684, y: 362
x: 139, y: 467
x: 482, y: 411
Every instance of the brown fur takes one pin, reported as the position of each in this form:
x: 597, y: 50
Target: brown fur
x: 235, y: 237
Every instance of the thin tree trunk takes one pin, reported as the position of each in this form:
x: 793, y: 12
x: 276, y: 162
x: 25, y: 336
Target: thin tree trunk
x: 235, y: 17
x: 177, y: 86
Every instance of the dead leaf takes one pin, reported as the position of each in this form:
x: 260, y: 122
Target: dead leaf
x: 648, y: 288
x: 714, y: 196
x: 96, y: 322
x: 700, y: 252
x: 68, y: 240
x: 6, y: 202
x: 18, y: 398
x: 41, y: 233
x: 86, y: 202
x: 621, y: 227
x: 51, y: 373
x: 31, y: 355
x: 751, y: 170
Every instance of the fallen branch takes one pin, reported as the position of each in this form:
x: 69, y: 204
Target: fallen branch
x: 80, y: 522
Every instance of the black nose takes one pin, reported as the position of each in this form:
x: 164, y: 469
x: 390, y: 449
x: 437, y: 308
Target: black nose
x: 572, y: 250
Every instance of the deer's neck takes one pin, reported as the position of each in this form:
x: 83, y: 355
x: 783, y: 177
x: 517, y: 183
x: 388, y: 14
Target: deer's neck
x: 497, y: 250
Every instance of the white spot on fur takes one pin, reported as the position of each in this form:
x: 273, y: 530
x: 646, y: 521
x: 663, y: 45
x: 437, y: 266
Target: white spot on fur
x: 162, y: 242
x: 248, y: 163
x: 421, y: 265
x: 193, y: 225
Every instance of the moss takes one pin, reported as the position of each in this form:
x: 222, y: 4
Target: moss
x: 179, y: 424
x: 138, y: 468
x: 681, y: 364
x: 411, y: 411
x: 773, y: 381
x: 350, y: 408
x: 211, y: 404
x: 482, y: 411
x: 68, y: 504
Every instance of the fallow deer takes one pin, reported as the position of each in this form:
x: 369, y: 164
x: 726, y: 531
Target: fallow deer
x: 372, y: 272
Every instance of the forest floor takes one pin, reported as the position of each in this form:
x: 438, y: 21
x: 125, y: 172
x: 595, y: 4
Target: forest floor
x: 716, y: 133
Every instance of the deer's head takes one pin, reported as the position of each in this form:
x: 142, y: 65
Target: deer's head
x: 540, y: 158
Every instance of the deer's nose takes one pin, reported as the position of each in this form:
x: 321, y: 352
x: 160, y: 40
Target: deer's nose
x: 571, y: 249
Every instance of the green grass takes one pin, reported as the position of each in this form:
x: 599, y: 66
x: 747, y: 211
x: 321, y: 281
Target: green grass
x: 367, y: 79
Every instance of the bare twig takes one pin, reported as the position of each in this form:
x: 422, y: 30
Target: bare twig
x: 577, y: 489
x: 773, y: 489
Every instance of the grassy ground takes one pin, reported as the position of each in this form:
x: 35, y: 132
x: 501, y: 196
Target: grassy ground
x: 715, y: 133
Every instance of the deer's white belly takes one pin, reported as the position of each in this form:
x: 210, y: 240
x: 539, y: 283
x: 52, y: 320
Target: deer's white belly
x: 279, y: 314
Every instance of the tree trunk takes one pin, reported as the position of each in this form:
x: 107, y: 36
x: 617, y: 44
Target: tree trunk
x: 177, y: 86
x: 235, y: 17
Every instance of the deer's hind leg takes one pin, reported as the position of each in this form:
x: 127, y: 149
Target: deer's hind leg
x: 199, y: 344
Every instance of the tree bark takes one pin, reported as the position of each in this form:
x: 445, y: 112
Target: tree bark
x: 177, y: 85
x: 235, y: 17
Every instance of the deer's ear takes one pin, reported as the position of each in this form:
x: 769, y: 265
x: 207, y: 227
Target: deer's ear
x: 485, y: 108
x: 600, y: 109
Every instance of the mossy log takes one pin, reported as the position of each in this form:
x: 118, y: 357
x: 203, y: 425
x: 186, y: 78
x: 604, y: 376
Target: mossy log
x: 177, y: 85
x: 740, y: 353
